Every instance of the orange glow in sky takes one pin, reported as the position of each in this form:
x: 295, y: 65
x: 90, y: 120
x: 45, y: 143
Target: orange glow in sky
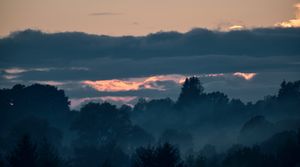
x: 135, y: 17
x: 292, y: 22
x: 131, y: 84
x: 246, y: 76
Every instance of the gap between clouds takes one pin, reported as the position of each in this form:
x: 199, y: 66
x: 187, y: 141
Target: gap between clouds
x: 152, y: 82
x: 135, y: 84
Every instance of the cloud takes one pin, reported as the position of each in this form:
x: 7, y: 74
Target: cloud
x: 293, y: 22
x: 53, y: 83
x: 231, y: 25
x: 153, y: 66
x: 80, y: 56
x: 19, y: 70
x: 236, y: 27
x: 214, y: 75
x: 10, y: 77
x: 113, y: 85
x: 120, y: 100
x: 22, y: 70
x: 14, y: 70
x: 104, y: 14
x: 107, y: 69
x: 65, y: 49
x: 124, y: 99
x: 246, y: 76
x: 133, y: 84
x: 79, y: 69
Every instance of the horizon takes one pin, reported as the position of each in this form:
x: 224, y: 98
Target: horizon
x: 234, y: 28
x: 131, y: 101
x: 160, y: 83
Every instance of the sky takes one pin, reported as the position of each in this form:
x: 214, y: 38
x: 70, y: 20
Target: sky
x: 140, y: 17
x: 119, y: 51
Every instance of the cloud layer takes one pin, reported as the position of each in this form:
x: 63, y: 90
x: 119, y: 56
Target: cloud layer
x: 21, y: 48
x: 246, y: 64
x: 153, y: 82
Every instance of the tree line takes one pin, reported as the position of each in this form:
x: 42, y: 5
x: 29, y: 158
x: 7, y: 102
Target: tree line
x: 199, y: 129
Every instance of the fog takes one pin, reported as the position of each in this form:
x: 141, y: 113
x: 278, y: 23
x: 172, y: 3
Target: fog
x: 197, y: 129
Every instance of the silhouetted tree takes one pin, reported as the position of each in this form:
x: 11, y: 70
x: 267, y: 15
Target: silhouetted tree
x: 190, y: 92
x: 195, y: 161
x: 298, y: 135
x: 145, y: 112
x: 37, y: 129
x: 104, y: 134
x: 289, y: 154
x: 284, y: 145
x: 248, y: 157
x: 101, y: 123
x: 25, y: 154
x: 45, y: 100
x: 138, y: 137
x: 257, y: 129
x: 168, y: 156
x: 140, y: 105
x: 289, y: 97
x: 48, y: 156
x: 95, y: 156
x: 39, y: 102
x: 164, y: 155
x: 289, y: 90
x: 106, y: 164
x: 1, y: 160
x: 144, y: 157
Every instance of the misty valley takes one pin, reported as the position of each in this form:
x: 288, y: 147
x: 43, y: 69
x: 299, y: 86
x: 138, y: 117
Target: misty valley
x: 131, y: 83
x: 198, y: 129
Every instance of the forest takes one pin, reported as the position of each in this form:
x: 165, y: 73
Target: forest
x: 198, y: 129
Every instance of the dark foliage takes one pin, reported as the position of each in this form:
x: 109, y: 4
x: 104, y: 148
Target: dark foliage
x: 48, y: 156
x: 100, y: 134
x: 25, y: 154
x: 165, y: 155
x: 95, y: 156
x: 190, y: 92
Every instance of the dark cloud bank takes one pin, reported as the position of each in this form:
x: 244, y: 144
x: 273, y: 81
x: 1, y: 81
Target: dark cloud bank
x: 21, y: 48
x: 272, y: 53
